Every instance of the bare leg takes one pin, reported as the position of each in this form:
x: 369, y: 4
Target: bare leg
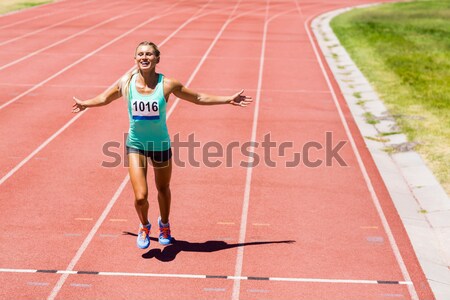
x: 138, y: 176
x: 163, y: 172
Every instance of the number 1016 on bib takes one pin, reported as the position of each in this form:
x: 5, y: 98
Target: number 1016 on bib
x: 145, y: 110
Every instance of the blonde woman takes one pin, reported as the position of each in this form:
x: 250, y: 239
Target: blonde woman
x: 147, y: 93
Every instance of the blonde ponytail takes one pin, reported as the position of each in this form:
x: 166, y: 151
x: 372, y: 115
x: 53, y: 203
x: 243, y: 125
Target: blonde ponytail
x: 124, y: 83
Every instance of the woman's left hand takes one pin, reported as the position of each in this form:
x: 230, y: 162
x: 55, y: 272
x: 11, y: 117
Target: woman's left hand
x: 240, y: 100
x: 78, y: 105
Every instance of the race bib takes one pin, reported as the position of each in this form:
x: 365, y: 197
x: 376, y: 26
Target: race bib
x: 145, y: 109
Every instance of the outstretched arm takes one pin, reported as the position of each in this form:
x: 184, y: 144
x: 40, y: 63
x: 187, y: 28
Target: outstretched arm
x: 104, y: 98
x: 187, y: 94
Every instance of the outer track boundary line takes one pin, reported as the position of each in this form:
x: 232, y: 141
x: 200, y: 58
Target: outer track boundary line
x: 361, y: 165
x: 224, y: 277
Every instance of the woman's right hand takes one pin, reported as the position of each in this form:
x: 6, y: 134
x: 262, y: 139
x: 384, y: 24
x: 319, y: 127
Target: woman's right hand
x: 78, y: 105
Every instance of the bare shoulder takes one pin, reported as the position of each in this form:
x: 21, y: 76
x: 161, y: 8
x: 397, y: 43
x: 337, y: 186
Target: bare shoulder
x: 171, y: 84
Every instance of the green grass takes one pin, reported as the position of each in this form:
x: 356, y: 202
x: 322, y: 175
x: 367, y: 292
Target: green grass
x: 357, y: 95
x: 12, y: 5
x: 377, y: 139
x: 370, y: 118
x: 403, y: 49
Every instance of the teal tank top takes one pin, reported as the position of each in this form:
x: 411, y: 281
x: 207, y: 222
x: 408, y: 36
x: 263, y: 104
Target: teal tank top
x: 147, y: 114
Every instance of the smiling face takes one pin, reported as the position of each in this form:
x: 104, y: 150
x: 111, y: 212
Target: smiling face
x: 146, y: 57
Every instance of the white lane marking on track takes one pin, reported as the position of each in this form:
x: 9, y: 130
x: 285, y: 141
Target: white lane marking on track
x: 32, y: 154
x: 257, y: 291
x: 132, y: 11
x: 196, y: 276
x: 87, y: 240
x: 33, y: 283
x: 109, y: 235
x: 214, y: 289
x: 361, y: 165
x: 53, y: 25
x: 81, y: 285
x: 246, y: 201
x: 226, y: 223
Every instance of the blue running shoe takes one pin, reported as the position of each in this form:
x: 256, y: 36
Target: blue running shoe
x: 164, y: 233
x: 143, y: 238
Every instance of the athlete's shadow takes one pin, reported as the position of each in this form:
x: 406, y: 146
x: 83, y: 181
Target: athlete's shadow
x: 170, y: 252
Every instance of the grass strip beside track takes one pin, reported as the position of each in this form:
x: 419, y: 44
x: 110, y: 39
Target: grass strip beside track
x: 12, y: 5
x: 403, y: 49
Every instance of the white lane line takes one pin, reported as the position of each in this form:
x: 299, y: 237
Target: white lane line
x: 225, y: 277
x: 32, y: 154
x: 87, y: 240
x: 214, y: 289
x: 6, y: 270
x: 118, y: 220
x: 33, y: 283
x: 133, y: 11
x: 248, y: 180
x: 54, y: 25
x: 246, y: 201
x: 81, y: 285
x: 361, y: 165
x: 226, y: 223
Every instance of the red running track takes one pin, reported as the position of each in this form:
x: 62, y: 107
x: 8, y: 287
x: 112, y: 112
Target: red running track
x: 262, y: 231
